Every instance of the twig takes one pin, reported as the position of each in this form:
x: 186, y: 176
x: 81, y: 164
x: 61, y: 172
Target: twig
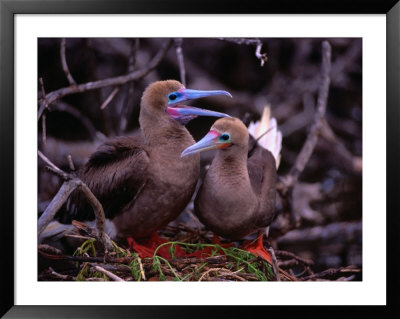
x: 332, y: 272
x: 108, y: 273
x: 289, y: 263
x: 44, y: 129
x: 225, y: 272
x: 71, y: 163
x: 54, y: 168
x: 179, y: 55
x: 128, y: 105
x: 141, y: 267
x: 274, y: 264
x: 288, y: 276
x: 110, y: 98
x: 45, y: 104
x: 341, y: 232
x: 334, y: 143
x: 64, y: 63
x: 49, y: 249
x: 122, y: 260
x: 118, y: 80
x: 282, y: 253
x: 254, y: 42
x: 114, y: 267
x: 71, y: 183
x: 302, y: 159
x: 60, y: 276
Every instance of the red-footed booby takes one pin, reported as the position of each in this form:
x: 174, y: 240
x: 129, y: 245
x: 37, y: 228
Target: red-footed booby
x: 237, y: 196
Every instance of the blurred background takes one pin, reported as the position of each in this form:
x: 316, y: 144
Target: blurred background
x: 321, y: 218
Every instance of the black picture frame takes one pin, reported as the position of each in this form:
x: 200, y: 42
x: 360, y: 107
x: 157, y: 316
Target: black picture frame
x: 8, y: 10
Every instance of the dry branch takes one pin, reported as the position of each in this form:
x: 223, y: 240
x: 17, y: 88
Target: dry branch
x: 282, y: 253
x: 71, y: 182
x: 332, y: 272
x: 45, y: 104
x: 71, y: 162
x: 60, y: 276
x: 274, y: 264
x: 254, y: 42
x: 127, y: 106
x: 65, y: 64
x: 115, y: 81
x: 110, y: 98
x: 44, y: 129
x: 179, y: 55
x: 108, y: 273
x: 302, y: 159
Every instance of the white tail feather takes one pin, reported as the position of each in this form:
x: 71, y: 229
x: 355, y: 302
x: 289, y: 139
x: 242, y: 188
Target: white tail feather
x: 272, y: 137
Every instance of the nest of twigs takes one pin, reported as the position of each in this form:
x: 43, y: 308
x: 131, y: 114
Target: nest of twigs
x: 89, y: 262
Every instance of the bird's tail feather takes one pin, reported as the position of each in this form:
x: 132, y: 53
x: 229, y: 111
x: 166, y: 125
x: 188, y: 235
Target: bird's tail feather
x: 55, y: 230
x: 267, y: 133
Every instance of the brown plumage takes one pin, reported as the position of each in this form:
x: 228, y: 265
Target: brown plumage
x: 237, y: 196
x: 142, y: 182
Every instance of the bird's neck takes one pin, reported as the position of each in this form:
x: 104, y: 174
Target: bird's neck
x: 163, y: 131
x: 231, y: 166
x: 228, y: 183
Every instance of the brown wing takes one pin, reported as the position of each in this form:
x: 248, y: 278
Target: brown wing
x: 115, y: 174
x: 262, y: 173
x: 261, y: 168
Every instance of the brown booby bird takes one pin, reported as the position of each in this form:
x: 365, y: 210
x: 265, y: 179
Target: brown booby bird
x: 237, y: 196
x: 142, y: 182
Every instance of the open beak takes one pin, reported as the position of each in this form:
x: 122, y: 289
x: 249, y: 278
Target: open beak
x: 184, y: 113
x: 208, y: 142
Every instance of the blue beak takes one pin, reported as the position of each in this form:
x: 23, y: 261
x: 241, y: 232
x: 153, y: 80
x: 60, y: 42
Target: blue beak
x: 187, y: 94
x: 182, y: 113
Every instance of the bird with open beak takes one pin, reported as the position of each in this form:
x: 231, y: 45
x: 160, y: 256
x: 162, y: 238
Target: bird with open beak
x: 237, y: 196
x: 142, y: 181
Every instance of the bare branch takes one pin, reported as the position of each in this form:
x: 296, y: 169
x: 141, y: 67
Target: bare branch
x: 71, y: 183
x: 60, y: 276
x: 110, y: 98
x: 61, y: 197
x: 108, y: 273
x: 70, y: 162
x: 254, y: 42
x: 283, y: 253
x: 45, y: 104
x: 274, y: 263
x: 128, y: 105
x: 118, y: 80
x: 44, y: 128
x: 64, y: 63
x: 179, y: 55
x: 332, y: 272
x: 53, y: 167
x: 302, y: 159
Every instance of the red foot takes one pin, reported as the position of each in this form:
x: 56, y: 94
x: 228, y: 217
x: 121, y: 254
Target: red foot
x: 257, y: 248
x: 216, y: 240
x: 146, y: 247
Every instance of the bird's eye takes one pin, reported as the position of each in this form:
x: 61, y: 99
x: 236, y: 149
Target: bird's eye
x: 225, y: 137
x: 172, y: 97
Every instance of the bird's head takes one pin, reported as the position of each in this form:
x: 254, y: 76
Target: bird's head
x: 167, y: 96
x: 225, y: 134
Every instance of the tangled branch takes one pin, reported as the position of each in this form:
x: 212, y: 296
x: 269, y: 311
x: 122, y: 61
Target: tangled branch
x: 115, y: 81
